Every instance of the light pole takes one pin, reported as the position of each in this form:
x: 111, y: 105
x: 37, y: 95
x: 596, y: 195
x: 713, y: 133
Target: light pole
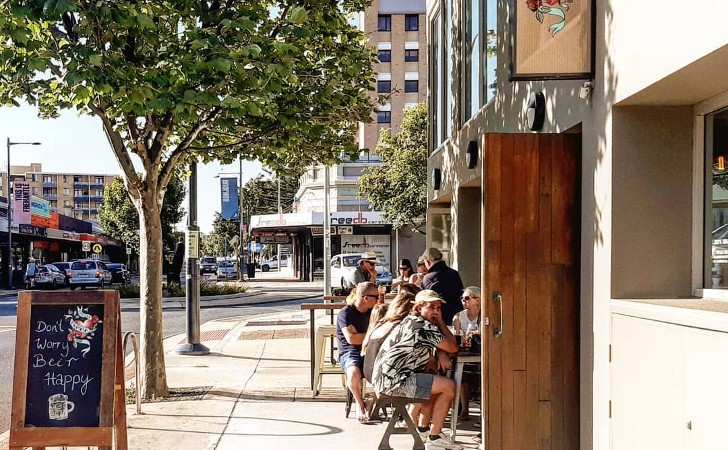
x: 10, y: 215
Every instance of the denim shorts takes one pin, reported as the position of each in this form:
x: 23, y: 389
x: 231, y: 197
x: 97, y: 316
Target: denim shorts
x: 417, y: 385
x: 351, y: 359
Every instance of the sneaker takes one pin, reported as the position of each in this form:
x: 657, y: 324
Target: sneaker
x: 424, y: 434
x: 444, y: 443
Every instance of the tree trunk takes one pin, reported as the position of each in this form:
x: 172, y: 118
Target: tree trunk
x: 153, y: 381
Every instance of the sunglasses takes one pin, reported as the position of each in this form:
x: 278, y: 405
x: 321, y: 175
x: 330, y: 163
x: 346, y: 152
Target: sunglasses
x: 375, y: 297
x: 466, y: 298
x: 404, y: 268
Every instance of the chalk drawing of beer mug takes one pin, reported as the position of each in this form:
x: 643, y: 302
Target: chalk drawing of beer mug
x: 59, y: 407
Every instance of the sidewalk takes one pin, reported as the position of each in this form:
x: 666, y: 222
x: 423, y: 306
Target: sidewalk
x: 253, y: 391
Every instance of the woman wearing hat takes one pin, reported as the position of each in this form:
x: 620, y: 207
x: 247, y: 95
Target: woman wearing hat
x: 401, y: 363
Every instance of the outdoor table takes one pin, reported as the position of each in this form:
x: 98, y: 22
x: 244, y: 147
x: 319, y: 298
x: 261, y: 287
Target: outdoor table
x: 461, y: 358
x: 312, y: 308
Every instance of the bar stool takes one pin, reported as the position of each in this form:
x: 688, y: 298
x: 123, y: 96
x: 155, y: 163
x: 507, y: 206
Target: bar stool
x: 324, y: 333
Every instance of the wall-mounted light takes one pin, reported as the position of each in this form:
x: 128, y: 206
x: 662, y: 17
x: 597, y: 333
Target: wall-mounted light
x: 471, y: 154
x: 536, y: 111
x: 436, y: 179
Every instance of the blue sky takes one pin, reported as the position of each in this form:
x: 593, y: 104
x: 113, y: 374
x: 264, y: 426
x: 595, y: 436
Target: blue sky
x: 76, y: 144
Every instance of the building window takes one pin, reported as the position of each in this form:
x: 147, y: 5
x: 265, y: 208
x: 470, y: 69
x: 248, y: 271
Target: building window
x: 411, y: 85
x: 33, y: 177
x: 384, y: 87
x: 47, y: 179
x: 385, y: 22
x: 34, y: 191
x: 490, y: 47
x: 78, y: 192
x: 384, y: 117
x: 67, y: 203
x: 471, y: 99
x: 411, y: 55
x: 411, y: 22
x: 385, y: 55
x: 716, y: 264
x: 66, y: 191
x: 435, y: 69
x: 99, y: 180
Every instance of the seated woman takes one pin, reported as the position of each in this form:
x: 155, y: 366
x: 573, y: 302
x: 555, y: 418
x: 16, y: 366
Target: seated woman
x: 405, y: 273
x: 467, y: 321
x: 401, y: 363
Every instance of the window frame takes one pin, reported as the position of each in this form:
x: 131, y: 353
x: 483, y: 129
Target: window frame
x: 408, y: 86
x: 383, y: 84
x: 384, y: 114
x: 408, y: 18
x: 383, y: 52
x: 408, y: 56
x: 384, y: 22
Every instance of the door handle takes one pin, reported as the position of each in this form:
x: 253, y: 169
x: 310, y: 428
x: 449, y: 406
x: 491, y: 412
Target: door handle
x: 498, y: 331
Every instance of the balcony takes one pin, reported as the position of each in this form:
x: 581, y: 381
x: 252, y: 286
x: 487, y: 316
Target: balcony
x: 80, y: 184
x: 97, y: 198
x: 50, y: 184
x: 96, y: 185
x: 50, y: 196
x: 81, y: 198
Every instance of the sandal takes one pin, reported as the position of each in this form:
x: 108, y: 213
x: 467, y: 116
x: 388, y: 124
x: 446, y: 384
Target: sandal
x: 478, y: 438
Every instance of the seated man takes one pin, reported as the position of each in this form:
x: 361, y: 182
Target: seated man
x: 401, y: 365
x: 351, y: 327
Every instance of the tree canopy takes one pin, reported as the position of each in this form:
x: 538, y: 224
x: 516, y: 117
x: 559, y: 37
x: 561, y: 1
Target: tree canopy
x: 398, y: 187
x: 177, y: 81
x: 120, y: 220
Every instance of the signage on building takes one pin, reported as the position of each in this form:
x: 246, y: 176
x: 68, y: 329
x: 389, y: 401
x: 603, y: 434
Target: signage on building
x: 229, y: 198
x: 319, y: 231
x: 275, y: 239
x: 345, y: 229
x: 357, y: 218
x: 378, y: 243
x: 21, y: 202
x: 31, y: 229
x: 40, y: 207
x: 86, y: 246
x: 61, y: 234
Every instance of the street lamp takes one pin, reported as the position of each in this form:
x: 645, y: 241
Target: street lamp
x: 10, y: 215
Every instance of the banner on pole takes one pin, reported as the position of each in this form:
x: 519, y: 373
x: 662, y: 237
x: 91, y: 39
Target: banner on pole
x: 229, y: 196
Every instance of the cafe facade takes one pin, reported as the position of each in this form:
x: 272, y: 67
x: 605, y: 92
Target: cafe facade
x: 577, y: 174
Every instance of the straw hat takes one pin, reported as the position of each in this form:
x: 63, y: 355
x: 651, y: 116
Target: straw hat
x: 369, y: 256
x: 428, y: 295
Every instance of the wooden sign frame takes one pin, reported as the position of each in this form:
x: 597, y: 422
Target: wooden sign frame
x: 111, y: 429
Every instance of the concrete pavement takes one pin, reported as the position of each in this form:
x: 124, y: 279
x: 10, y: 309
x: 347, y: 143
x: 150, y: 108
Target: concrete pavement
x: 253, y: 391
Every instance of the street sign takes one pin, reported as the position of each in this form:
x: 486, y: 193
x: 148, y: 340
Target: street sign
x: 193, y: 244
x: 86, y: 246
x: 128, y: 250
x: 96, y: 248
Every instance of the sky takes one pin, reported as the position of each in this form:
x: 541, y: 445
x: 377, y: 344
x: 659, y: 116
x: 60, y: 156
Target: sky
x: 77, y: 144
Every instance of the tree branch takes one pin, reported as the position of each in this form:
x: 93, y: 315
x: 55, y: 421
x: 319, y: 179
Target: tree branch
x: 274, y: 32
x: 131, y: 179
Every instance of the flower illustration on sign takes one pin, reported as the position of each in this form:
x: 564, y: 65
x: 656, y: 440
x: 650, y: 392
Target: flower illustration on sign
x: 81, y: 328
x: 556, y: 8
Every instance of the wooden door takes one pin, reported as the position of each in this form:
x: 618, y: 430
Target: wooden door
x: 531, y: 284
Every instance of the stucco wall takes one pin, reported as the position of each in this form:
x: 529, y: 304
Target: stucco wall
x: 652, y: 207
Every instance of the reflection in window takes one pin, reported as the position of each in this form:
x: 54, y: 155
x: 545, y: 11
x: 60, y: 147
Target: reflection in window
x: 411, y: 22
x: 411, y: 85
x: 385, y: 55
x: 384, y: 116
x: 385, y: 23
x: 471, y: 66
x: 384, y: 87
x: 490, y: 45
x: 716, y: 133
x: 411, y: 55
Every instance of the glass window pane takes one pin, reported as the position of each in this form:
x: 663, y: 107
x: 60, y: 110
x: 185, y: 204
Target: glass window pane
x: 411, y: 85
x: 490, y: 49
x: 384, y: 87
x: 385, y: 55
x: 385, y: 22
x: 411, y: 22
x: 411, y: 55
x: 716, y: 133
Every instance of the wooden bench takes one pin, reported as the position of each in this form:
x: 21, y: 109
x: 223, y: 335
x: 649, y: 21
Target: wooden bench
x: 400, y: 409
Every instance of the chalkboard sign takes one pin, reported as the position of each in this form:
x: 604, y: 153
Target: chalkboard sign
x: 64, y: 366
x: 68, y: 385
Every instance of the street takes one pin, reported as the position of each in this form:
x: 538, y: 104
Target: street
x: 274, y: 300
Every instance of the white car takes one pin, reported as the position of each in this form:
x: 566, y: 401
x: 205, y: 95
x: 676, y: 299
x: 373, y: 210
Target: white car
x: 272, y: 263
x: 226, y: 269
x: 342, y: 265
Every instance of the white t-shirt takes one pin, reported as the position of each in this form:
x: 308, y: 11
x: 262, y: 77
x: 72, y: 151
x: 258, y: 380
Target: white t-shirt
x: 465, y: 321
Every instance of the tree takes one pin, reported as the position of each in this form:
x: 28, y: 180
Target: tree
x: 223, y: 233
x: 260, y: 195
x: 178, y: 81
x: 398, y: 187
x: 119, y: 217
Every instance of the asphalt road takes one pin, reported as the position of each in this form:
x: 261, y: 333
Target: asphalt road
x: 274, y: 300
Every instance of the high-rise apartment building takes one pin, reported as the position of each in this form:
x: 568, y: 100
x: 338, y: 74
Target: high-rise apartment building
x: 72, y: 194
x: 397, y: 30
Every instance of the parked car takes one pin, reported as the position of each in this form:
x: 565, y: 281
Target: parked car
x: 64, y: 267
x: 342, y: 265
x: 226, y: 269
x: 208, y: 264
x: 88, y: 273
x: 272, y: 263
x: 49, y: 276
x: 119, y: 273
